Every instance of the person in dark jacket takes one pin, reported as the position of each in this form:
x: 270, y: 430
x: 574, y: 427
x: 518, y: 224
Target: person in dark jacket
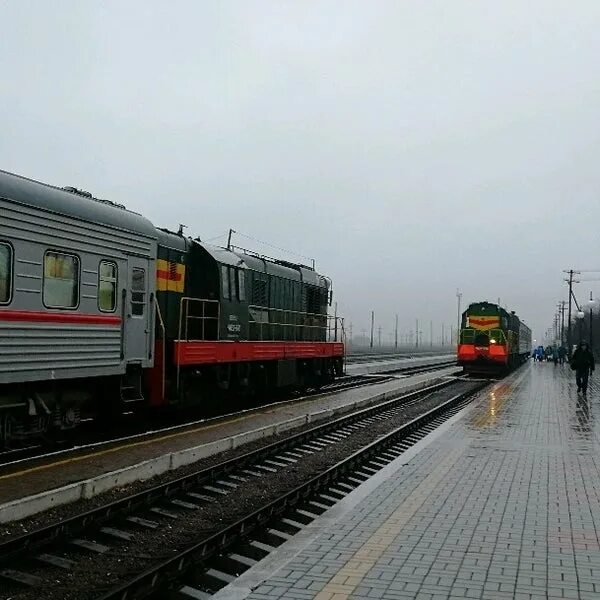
x: 582, y: 363
x: 562, y: 354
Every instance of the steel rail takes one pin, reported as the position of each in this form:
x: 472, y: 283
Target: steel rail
x: 94, y: 518
x: 165, y: 574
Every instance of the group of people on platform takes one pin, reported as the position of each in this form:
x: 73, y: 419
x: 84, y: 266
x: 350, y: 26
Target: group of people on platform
x: 556, y: 354
x: 582, y: 361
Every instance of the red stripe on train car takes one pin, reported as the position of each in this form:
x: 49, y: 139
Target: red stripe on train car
x: 198, y: 353
x: 161, y: 274
x: 34, y: 316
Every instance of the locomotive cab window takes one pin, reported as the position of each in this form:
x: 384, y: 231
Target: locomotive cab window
x: 225, y: 282
x: 241, y: 286
x: 107, y: 286
x: 138, y: 292
x: 232, y: 283
x: 61, y: 280
x: 5, y: 273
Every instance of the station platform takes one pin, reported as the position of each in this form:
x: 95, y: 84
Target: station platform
x: 503, y: 501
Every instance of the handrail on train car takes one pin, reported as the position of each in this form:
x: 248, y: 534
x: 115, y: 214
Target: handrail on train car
x: 164, y: 347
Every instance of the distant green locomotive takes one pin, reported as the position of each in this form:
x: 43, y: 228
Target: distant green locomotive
x: 492, y: 339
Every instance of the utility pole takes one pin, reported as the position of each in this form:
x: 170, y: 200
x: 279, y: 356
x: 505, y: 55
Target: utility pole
x: 417, y: 334
x: 396, y: 332
x: 443, y: 336
x: 431, y: 334
x: 459, y: 297
x: 379, y: 335
x: 570, y: 281
x: 561, y: 311
x: 372, y: 325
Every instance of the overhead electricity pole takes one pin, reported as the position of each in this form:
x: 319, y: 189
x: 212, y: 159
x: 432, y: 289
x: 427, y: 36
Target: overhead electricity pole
x: 570, y: 281
x: 431, y: 334
x: 379, y: 335
x: 372, y: 325
x: 417, y: 334
x: 443, y: 336
x: 396, y: 333
x: 561, y: 306
x: 459, y: 298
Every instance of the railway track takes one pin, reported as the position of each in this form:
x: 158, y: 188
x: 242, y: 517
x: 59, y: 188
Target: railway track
x: 361, y: 358
x: 226, y: 551
x: 90, y: 441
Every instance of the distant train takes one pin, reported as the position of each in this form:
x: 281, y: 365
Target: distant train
x: 492, y: 340
x: 100, y: 309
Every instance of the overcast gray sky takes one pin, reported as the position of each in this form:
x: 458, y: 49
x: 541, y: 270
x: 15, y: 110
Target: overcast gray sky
x: 410, y: 147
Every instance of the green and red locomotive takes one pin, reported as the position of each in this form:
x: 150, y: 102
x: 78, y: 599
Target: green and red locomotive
x: 492, y: 339
x: 230, y: 319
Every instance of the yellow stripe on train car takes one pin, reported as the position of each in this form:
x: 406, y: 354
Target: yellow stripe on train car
x: 170, y: 276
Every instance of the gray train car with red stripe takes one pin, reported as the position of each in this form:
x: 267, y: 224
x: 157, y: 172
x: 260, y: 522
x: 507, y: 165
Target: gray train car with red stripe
x: 77, y: 286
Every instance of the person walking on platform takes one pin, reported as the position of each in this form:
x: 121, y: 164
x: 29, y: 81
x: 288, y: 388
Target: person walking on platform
x: 562, y: 354
x: 582, y: 363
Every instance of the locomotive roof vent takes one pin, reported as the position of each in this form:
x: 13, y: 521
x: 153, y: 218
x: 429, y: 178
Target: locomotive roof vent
x: 77, y: 191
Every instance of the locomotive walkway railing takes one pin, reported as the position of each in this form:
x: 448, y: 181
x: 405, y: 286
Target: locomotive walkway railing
x: 277, y: 324
x: 199, y: 320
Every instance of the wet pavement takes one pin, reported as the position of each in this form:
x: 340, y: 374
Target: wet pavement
x: 503, y: 502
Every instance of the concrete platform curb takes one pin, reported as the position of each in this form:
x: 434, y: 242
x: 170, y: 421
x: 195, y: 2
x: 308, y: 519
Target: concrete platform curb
x: 31, y: 505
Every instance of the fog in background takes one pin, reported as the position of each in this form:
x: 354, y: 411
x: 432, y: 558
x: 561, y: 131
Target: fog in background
x: 409, y: 147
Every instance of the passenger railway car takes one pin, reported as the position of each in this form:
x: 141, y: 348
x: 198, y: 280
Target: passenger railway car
x: 492, y: 339
x: 100, y: 309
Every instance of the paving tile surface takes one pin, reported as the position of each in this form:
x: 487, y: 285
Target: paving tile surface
x: 504, y: 504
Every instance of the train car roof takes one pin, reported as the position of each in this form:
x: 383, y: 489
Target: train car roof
x: 72, y: 203
x: 222, y: 255
x: 264, y: 265
x: 170, y: 239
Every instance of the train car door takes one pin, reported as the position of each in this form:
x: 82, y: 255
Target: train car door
x: 136, y: 309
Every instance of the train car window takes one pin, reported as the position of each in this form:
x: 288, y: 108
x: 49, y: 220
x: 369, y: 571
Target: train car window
x: 138, y: 291
x: 61, y: 280
x: 5, y: 273
x: 232, y: 282
x: 107, y: 286
x: 225, y: 282
x: 241, y: 286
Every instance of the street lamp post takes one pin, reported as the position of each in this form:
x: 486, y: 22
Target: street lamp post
x: 592, y: 301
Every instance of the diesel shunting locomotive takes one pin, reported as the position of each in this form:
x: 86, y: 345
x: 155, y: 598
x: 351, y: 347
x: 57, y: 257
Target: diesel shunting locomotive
x: 492, y: 340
